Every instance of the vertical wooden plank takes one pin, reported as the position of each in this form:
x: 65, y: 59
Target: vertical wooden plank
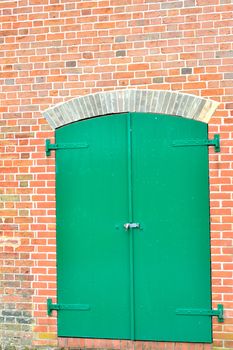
x: 131, y: 230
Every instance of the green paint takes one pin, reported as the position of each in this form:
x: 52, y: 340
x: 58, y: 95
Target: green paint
x: 134, y: 279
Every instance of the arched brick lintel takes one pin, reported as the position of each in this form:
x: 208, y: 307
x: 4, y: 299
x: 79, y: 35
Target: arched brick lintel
x: 130, y: 100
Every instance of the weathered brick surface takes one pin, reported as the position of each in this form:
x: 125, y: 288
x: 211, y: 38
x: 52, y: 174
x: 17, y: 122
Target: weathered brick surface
x: 131, y: 100
x: 54, y: 50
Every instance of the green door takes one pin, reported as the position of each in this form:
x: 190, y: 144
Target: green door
x: 172, y: 254
x: 127, y: 282
x: 92, y: 251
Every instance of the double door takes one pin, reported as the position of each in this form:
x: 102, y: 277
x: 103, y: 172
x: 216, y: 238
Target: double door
x: 133, y: 229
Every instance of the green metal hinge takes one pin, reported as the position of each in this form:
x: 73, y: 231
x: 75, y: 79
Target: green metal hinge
x: 203, y: 312
x: 195, y: 142
x: 55, y: 146
x: 57, y: 307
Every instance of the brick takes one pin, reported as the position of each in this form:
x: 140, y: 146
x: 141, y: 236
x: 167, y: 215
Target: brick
x: 138, y: 66
x: 228, y: 76
x: 9, y: 81
x: 71, y: 64
x: 120, y: 53
x: 224, y: 53
x: 186, y: 70
x: 171, y: 5
x: 158, y: 80
x: 190, y: 3
x: 9, y: 198
x: 120, y: 39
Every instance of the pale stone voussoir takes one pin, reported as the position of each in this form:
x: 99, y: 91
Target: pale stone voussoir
x: 131, y: 100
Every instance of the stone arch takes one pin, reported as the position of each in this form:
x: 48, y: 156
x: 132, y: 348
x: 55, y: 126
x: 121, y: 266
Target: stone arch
x: 130, y: 100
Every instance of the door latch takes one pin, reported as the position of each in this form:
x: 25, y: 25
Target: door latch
x: 128, y: 225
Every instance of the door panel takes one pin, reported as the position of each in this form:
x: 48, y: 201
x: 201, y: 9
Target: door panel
x: 93, y: 248
x: 172, y: 254
x: 132, y: 281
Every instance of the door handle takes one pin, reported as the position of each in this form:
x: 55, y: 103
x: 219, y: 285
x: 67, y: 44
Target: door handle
x: 128, y: 225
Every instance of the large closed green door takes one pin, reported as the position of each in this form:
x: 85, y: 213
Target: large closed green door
x: 115, y: 279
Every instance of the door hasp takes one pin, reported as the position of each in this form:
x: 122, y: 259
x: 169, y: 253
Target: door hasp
x: 57, y: 307
x: 55, y: 146
x: 204, y: 312
x: 195, y: 142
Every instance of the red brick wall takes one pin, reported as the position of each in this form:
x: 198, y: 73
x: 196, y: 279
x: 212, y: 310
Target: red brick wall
x: 52, y: 50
